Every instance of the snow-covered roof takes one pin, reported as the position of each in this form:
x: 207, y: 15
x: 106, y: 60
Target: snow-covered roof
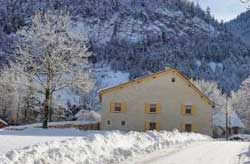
x: 219, y: 119
x: 2, y: 121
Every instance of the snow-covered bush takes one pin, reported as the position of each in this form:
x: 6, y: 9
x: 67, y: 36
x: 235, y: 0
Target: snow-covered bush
x: 85, y: 115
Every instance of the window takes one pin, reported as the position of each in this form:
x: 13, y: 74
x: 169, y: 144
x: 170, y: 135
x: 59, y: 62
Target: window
x: 188, y: 109
x: 108, y: 122
x: 173, y: 79
x: 188, y: 127
x: 152, y: 108
x: 235, y: 130
x: 152, y: 126
x: 118, y: 107
x: 123, y: 123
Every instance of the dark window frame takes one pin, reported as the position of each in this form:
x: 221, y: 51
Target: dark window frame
x: 152, y: 108
x: 188, y: 127
x: 188, y: 109
x: 118, y: 107
x: 152, y: 125
x: 123, y: 123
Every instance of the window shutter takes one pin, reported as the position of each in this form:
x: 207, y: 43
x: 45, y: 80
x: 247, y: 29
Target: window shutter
x: 158, y: 126
x: 194, y: 110
x: 194, y: 128
x: 112, y: 107
x: 182, y: 128
x: 124, y: 107
x: 147, y: 106
x: 146, y: 126
x: 182, y: 109
x: 158, y: 108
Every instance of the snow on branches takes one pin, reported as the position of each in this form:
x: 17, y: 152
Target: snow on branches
x: 241, y: 102
x: 51, y: 57
x: 211, y: 89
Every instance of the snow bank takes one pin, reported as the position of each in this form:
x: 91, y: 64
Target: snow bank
x: 98, y: 147
x: 245, y: 137
x: 17, y: 139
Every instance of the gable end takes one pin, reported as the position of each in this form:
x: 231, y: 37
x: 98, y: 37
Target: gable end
x: 154, y: 76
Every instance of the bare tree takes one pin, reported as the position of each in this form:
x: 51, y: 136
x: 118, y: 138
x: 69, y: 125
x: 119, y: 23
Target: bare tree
x: 52, y: 57
x: 241, y: 102
x: 12, y: 89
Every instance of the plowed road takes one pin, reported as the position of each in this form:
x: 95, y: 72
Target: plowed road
x: 207, y: 152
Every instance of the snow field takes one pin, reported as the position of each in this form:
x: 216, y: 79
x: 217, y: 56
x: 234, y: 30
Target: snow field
x: 98, y: 147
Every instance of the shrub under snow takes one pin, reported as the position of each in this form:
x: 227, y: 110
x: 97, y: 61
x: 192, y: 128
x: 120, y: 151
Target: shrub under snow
x: 84, y: 115
x: 99, y: 147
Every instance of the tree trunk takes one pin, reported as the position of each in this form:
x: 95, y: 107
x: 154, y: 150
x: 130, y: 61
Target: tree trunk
x: 46, y: 108
x: 50, y: 109
x: 26, y: 115
x: 48, y: 96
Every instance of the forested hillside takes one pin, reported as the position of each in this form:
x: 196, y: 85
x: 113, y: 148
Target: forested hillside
x: 143, y: 36
x: 240, y: 26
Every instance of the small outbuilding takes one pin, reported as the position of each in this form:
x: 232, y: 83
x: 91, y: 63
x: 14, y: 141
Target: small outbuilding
x: 3, y: 123
x: 219, y: 124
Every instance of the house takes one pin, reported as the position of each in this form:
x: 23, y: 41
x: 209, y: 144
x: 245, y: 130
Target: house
x: 3, y: 123
x: 235, y: 124
x: 164, y: 100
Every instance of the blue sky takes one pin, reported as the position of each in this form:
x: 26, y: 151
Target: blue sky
x: 224, y: 9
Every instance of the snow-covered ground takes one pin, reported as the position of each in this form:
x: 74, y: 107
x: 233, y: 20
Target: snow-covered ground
x: 39, y: 125
x: 70, y: 146
x: 17, y: 139
x: 206, y: 152
x: 34, y: 145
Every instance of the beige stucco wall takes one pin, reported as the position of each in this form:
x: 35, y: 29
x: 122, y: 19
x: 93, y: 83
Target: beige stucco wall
x: 170, y: 95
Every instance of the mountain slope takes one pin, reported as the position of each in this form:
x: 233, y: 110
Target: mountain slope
x: 143, y: 36
x: 240, y: 26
